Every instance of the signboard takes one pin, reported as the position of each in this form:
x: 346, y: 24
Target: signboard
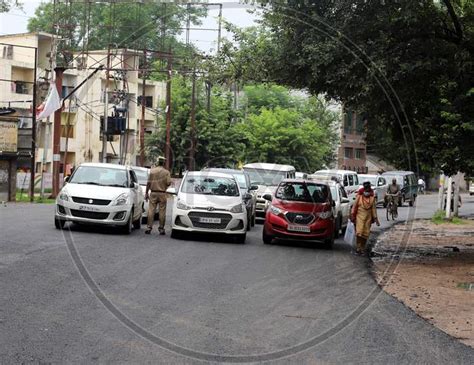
x: 8, y: 136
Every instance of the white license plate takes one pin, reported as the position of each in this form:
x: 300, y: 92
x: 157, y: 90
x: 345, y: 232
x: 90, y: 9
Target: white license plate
x: 304, y: 229
x: 209, y: 220
x: 86, y: 207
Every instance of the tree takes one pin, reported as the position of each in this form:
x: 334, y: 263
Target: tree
x: 120, y: 24
x: 407, y: 64
x: 7, y: 5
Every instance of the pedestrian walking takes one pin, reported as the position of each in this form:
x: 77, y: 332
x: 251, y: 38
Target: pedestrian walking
x: 159, y: 180
x: 364, y: 214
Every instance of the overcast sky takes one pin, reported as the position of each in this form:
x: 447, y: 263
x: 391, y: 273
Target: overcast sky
x: 16, y: 21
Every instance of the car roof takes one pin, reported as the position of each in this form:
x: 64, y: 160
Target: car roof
x: 209, y: 173
x: 269, y: 166
x: 105, y: 165
x: 369, y: 175
x: 398, y: 173
x: 140, y: 168
x: 224, y: 170
x: 334, y: 171
x: 307, y: 181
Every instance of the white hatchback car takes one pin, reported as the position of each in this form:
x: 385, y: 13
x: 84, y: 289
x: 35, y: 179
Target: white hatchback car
x: 209, y: 202
x: 101, y: 193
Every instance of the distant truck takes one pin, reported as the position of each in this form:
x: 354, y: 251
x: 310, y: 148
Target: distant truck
x: 267, y: 176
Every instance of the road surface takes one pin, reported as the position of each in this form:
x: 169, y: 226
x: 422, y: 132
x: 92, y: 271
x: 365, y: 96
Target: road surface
x: 90, y: 295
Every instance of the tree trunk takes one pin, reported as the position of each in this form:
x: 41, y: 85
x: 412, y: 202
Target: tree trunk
x: 448, y: 197
x: 441, y: 191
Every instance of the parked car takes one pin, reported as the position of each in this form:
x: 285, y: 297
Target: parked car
x: 342, y: 207
x: 408, y: 184
x: 301, y: 175
x: 142, y: 176
x: 267, y: 176
x: 379, y: 185
x: 246, y: 188
x: 209, y: 202
x: 300, y: 210
x: 348, y: 178
x: 101, y: 193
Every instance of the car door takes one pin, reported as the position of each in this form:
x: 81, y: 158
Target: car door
x: 381, y: 188
x: 345, y: 205
x: 136, y: 194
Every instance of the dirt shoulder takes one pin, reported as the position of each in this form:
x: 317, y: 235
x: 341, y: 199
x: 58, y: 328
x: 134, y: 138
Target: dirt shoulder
x: 430, y: 268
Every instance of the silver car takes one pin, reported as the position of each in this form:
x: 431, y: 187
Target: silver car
x: 379, y: 185
x: 142, y: 175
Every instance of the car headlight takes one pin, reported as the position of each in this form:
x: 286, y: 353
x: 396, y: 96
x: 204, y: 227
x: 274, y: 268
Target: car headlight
x: 63, y: 196
x: 182, y: 206
x: 122, y: 199
x: 275, y: 210
x: 237, y: 209
x: 325, y: 215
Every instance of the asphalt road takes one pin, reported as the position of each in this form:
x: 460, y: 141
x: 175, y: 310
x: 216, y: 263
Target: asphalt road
x: 90, y: 295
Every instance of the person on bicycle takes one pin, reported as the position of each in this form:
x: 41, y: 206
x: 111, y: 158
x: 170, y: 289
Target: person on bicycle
x: 393, y: 192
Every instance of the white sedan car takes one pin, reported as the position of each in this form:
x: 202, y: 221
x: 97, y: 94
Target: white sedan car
x: 142, y: 175
x: 100, y: 193
x: 209, y: 202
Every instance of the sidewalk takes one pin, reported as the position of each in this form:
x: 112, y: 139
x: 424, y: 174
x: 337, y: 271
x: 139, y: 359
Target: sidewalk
x: 430, y: 268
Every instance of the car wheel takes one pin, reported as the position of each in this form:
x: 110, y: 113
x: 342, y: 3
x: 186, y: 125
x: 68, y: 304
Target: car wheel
x: 127, y: 229
x: 59, y: 223
x: 329, y: 243
x: 338, y: 227
x: 176, y: 234
x: 240, y: 238
x: 267, y: 239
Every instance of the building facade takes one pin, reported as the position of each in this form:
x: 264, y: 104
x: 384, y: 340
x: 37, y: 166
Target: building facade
x: 352, y: 151
x: 81, y: 130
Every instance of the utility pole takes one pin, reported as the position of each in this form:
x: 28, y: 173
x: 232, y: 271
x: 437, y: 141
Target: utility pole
x: 106, y: 109
x: 441, y: 191
x: 193, y: 124
x: 33, y: 131
x: 57, y: 134
x: 142, y: 122
x: 448, y: 198
x: 456, y: 195
x: 47, y: 134
x: 168, y: 115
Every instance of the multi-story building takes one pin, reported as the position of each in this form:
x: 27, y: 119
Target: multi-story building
x: 352, y: 152
x: 81, y: 137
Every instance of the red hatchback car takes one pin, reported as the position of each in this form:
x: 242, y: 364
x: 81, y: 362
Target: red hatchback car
x: 300, y: 210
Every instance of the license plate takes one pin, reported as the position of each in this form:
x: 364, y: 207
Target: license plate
x: 86, y: 207
x: 304, y: 229
x: 209, y: 220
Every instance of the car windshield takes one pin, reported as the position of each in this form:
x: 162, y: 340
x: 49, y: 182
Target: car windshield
x: 265, y: 177
x: 103, y: 176
x: 326, y: 177
x: 371, y: 179
x: 391, y: 177
x: 142, y: 176
x: 303, y: 192
x: 210, y: 185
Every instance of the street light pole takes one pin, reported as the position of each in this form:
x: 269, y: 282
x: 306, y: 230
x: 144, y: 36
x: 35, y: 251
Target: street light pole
x: 33, y: 131
x: 57, y: 134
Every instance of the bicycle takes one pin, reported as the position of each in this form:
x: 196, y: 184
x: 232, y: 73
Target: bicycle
x: 391, y: 207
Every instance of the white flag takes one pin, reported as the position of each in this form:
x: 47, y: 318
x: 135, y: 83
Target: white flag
x: 50, y: 105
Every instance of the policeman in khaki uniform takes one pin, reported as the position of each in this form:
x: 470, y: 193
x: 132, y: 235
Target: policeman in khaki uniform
x: 159, y: 180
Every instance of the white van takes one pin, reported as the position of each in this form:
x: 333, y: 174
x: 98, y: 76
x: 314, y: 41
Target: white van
x: 267, y: 176
x: 348, y: 178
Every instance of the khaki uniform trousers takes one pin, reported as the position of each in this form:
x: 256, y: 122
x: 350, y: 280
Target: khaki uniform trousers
x: 155, y: 199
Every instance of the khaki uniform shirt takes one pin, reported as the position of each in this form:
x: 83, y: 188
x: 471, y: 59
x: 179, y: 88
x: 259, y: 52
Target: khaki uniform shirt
x: 159, y: 179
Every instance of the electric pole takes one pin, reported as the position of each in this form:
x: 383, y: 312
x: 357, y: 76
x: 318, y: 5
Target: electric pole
x: 57, y: 134
x: 168, y: 115
x: 142, y: 120
x: 193, y: 124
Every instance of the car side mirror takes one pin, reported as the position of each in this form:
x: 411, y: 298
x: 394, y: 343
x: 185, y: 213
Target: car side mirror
x: 171, y: 190
x: 254, y: 187
x: 246, y: 197
x: 66, y: 179
x: 345, y: 200
x: 267, y: 197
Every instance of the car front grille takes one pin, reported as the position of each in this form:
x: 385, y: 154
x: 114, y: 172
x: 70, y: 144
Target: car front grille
x: 89, y: 215
x: 80, y: 200
x: 299, y: 218
x: 225, y: 219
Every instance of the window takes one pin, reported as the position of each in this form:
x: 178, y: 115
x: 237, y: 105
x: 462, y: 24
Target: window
x: 148, y: 101
x: 303, y: 192
x: 21, y: 87
x: 348, y: 152
x: 210, y: 185
x: 359, y: 153
x: 356, y: 180
x: 348, y: 122
x: 342, y: 192
x: 8, y: 52
x: 351, y: 180
x: 133, y: 176
x: 360, y: 124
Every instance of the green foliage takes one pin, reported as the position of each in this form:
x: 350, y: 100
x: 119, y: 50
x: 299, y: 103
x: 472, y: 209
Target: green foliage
x: 120, y: 24
x: 7, y: 5
x: 272, y: 125
x: 407, y: 64
x: 440, y: 217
